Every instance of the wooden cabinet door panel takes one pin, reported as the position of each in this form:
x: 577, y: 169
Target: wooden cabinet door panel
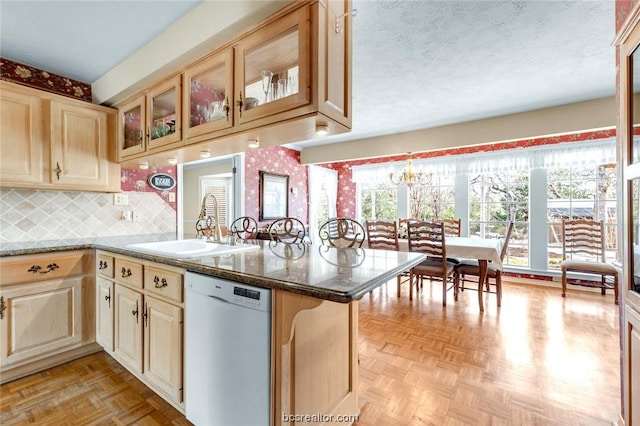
x: 79, y: 149
x: 21, y: 144
x: 104, y: 313
x: 41, y: 319
x: 163, y: 346
x: 128, y: 327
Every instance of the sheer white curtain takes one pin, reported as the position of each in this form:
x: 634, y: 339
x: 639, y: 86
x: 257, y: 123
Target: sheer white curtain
x: 323, y: 194
x: 583, y: 153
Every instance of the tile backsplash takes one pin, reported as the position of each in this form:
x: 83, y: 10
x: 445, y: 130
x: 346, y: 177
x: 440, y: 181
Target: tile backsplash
x: 28, y: 215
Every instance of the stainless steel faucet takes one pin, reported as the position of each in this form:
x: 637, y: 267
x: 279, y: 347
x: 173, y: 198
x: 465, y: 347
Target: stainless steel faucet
x: 211, y: 220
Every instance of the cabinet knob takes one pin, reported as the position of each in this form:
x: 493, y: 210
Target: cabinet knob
x: 108, y: 298
x: 135, y: 312
x: 37, y: 269
x: 103, y: 264
x: 125, y: 272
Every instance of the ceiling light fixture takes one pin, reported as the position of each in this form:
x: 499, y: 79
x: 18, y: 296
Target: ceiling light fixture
x: 205, y: 154
x: 338, y: 26
x: 172, y: 160
x: 254, y: 143
x: 408, y: 176
x: 322, y: 129
x: 143, y: 166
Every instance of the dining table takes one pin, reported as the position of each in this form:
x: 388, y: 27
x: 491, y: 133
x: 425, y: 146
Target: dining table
x: 483, y: 250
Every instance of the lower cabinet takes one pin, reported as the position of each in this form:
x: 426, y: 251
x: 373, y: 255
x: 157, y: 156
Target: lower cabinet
x: 46, y: 311
x: 40, y: 319
x: 139, y: 320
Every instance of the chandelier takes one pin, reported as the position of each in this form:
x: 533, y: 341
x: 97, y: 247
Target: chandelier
x: 408, y: 176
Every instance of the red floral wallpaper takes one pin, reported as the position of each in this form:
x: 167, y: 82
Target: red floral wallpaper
x: 43, y: 80
x: 347, y: 189
x: 135, y: 180
x: 280, y: 160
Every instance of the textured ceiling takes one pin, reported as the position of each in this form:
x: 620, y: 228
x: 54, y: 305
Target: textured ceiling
x: 416, y: 64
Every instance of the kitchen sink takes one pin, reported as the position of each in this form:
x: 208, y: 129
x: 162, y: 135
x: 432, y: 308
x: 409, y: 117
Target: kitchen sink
x: 189, y: 249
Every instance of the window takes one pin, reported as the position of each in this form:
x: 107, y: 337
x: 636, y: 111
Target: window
x: 494, y: 200
x: 378, y: 201
x: 580, y: 193
x: 221, y: 189
x: 433, y: 200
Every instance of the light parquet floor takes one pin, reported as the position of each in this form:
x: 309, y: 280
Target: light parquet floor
x: 538, y: 360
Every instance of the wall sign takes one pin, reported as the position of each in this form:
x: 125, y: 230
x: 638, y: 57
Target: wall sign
x: 162, y: 181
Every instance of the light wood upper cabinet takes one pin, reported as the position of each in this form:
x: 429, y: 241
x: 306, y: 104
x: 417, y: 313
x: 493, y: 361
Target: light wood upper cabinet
x: 52, y: 142
x: 21, y: 144
x: 276, y: 82
x: 208, y: 95
x: 152, y: 120
x: 273, y: 67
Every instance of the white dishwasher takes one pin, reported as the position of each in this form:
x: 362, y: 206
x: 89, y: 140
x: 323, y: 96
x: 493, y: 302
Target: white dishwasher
x: 227, y: 352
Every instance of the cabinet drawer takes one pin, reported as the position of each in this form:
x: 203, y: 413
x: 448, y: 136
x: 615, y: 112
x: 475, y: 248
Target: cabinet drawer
x: 104, y: 265
x: 40, y: 267
x: 163, y: 283
x: 128, y: 272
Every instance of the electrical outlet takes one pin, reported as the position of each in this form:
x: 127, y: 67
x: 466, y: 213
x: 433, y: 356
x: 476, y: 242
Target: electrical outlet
x: 172, y: 197
x: 126, y: 216
x: 137, y: 217
x: 120, y: 199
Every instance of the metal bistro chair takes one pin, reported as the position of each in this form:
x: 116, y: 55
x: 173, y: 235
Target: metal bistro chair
x: 342, y: 232
x: 471, y: 267
x: 383, y: 235
x: 244, y: 228
x: 287, y: 230
x: 583, y: 251
x: 429, y: 238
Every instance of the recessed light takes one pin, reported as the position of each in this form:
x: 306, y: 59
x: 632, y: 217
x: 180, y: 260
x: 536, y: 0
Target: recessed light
x: 205, y: 154
x: 253, y: 144
x: 322, y: 129
x: 143, y: 166
x: 172, y: 160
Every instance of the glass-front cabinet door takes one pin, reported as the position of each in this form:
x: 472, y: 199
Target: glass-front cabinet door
x: 164, y: 114
x: 132, y: 128
x: 207, y: 95
x: 272, y: 68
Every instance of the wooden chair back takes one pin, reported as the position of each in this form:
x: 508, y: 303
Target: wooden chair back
x: 342, y: 232
x: 451, y: 226
x: 582, y: 239
x: 507, y: 238
x: 382, y: 234
x: 287, y: 230
x: 427, y: 238
x: 244, y: 228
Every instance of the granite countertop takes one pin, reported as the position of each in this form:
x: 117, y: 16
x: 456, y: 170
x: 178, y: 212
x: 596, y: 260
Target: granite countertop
x: 336, y: 274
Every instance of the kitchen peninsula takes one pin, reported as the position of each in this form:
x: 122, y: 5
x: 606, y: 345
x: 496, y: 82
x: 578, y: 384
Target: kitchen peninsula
x: 314, y: 308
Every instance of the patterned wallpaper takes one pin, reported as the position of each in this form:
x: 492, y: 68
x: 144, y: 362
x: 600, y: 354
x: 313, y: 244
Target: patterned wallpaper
x: 280, y: 160
x: 43, y: 80
x: 347, y: 189
x: 136, y: 180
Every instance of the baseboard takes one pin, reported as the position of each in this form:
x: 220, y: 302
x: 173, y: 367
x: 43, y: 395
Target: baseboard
x: 12, y: 373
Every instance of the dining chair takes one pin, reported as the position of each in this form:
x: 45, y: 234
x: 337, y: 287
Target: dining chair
x: 583, y: 252
x: 244, y: 228
x: 429, y: 238
x: 451, y: 226
x: 342, y: 232
x: 471, y: 267
x: 383, y: 235
x: 287, y: 230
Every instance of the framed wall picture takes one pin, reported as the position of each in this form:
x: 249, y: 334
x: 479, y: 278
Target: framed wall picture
x: 274, y: 200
